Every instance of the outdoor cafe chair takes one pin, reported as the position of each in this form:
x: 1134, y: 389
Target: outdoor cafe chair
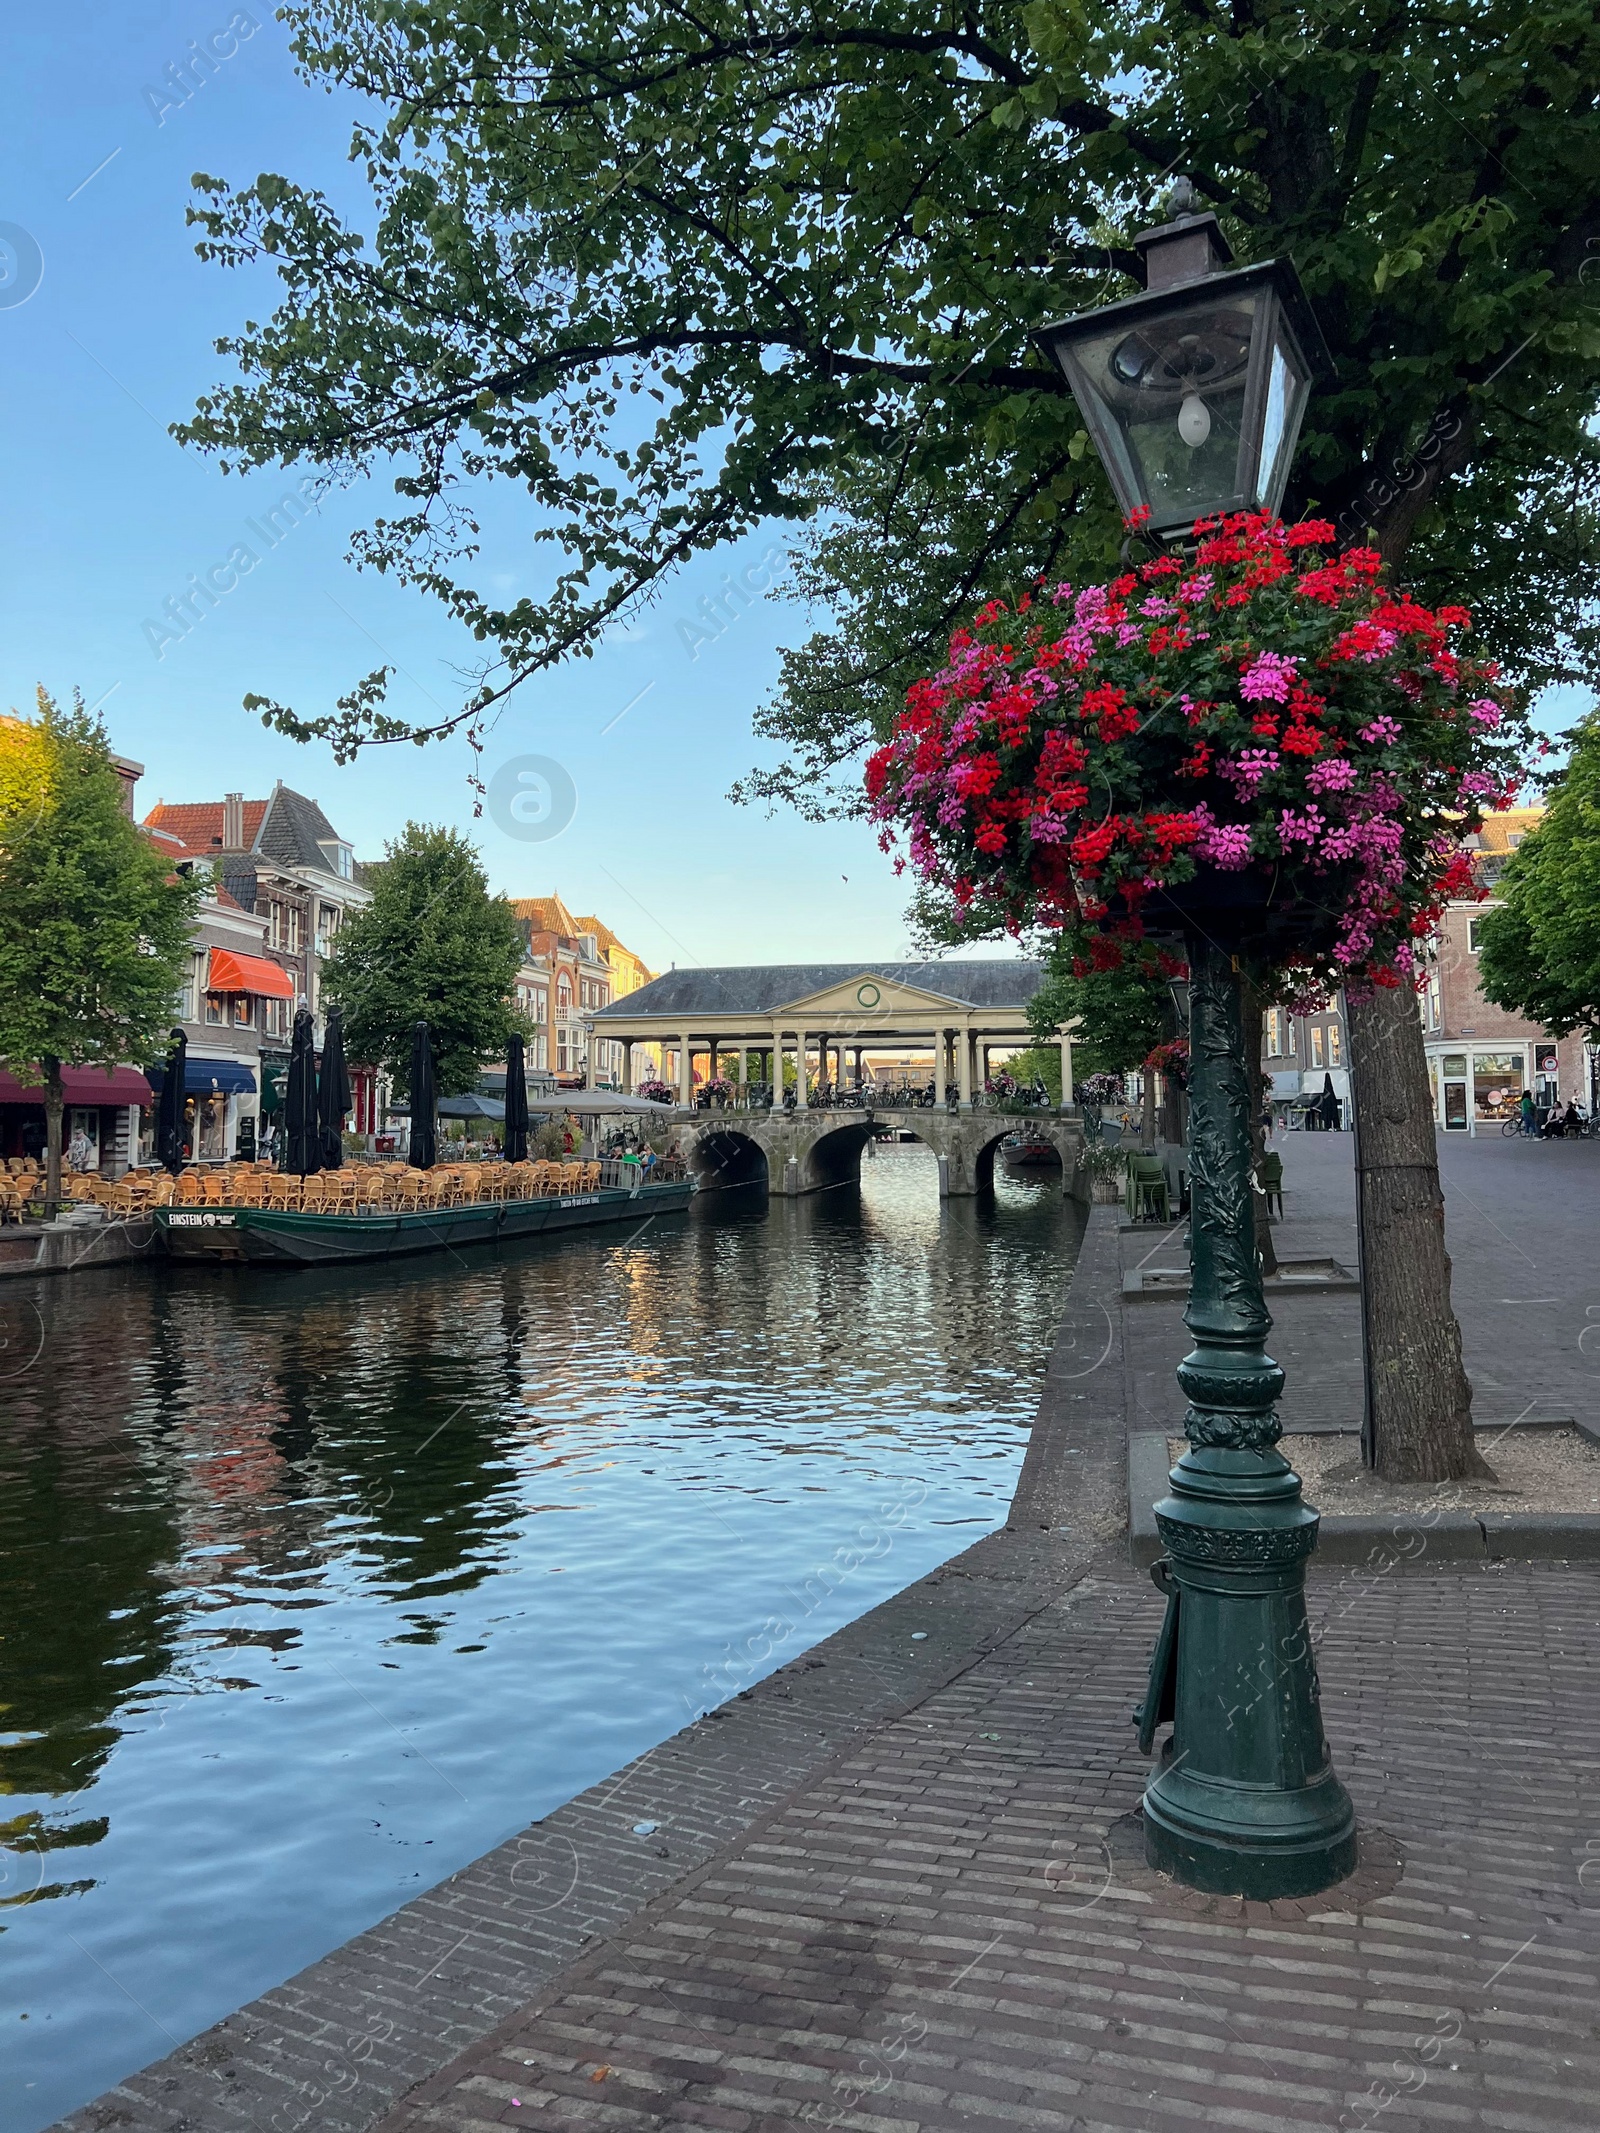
x: 1270, y: 1174
x: 283, y: 1193
x: 1147, y: 1200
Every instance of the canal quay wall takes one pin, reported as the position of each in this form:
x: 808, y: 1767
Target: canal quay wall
x: 71, y: 1245
x: 334, y: 2048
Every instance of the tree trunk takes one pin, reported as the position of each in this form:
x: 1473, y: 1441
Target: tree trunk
x: 1421, y: 1400
x: 52, y: 1130
x: 1251, y: 1011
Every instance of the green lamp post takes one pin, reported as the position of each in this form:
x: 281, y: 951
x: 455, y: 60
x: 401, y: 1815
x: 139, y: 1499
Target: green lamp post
x: 1194, y: 393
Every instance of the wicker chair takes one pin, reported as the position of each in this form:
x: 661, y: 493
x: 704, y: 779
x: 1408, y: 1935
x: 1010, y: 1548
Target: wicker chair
x: 591, y: 1176
x: 283, y: 1193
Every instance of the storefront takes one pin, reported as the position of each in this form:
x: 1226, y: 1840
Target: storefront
x: 101, y: 1107
x: 219, y: 1110
x: 1476, y: 1087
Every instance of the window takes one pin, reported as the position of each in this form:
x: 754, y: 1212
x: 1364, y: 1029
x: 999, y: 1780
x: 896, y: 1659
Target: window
x: 216, y: 1010
x: 1275, y: 1044
x: 242, y: 1015
x: 275, y: 925
x: 1316, y: 1047
x: 1335, y: 1044
x: 1435, y: 1003
x: 292, y: 929
x: 1473, y: 942
x: 277, y: 1017
x: 564, y: 997
x: 561, y: 1056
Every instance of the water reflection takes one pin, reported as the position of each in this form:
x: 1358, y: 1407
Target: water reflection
x: 312, y: 1587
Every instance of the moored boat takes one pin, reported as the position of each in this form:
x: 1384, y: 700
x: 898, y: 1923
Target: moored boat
x: 288, y: 1237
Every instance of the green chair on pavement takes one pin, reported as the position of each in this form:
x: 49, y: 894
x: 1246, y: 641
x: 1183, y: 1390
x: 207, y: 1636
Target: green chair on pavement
x: 1147, y: 1200
x: 1271, y: 1177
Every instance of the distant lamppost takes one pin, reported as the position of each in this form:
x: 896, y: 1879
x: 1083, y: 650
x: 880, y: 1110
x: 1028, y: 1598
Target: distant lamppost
x: 1194, y: 394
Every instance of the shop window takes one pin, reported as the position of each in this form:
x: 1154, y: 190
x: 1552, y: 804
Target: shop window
x: 216, y: 1007
x: 1497, y: 1079
x: 1316, y: 1047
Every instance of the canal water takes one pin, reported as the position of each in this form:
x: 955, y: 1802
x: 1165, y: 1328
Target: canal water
x: 314, y: 1586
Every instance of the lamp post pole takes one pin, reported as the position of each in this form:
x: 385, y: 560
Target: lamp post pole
x: 1194, y: 394
x: 1244, y: 1800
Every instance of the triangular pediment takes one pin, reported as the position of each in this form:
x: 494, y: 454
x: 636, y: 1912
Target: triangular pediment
x: 870, y: 997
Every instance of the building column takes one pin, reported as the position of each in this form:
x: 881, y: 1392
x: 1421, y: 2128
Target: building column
x: 744, y: 1067
x: 777, y: 1070
x: 685, y: 1081
x: 800, y: 1070
x: 1066, y: 1071
x: 626, y: 1075
x: 964, y: 1067
x: 938, y: 1068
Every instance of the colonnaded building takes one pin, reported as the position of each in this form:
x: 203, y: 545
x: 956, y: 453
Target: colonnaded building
x: 831, y: 1021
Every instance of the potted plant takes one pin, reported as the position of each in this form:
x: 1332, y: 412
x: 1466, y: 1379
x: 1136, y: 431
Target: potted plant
x: 658, y: 1092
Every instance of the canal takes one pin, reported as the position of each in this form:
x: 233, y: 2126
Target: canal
x: 315, y: 1586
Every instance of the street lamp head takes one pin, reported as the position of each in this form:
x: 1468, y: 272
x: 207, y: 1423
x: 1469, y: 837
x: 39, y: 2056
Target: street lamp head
x: 1194, y: 392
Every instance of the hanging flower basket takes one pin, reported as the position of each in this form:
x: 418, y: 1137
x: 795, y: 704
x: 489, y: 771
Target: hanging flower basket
x: 658, y: 1092
x: 1171, y: 1060
x: 1261, y: 740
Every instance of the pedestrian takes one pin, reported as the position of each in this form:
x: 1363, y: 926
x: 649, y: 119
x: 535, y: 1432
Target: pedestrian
x: 1530, y: 1122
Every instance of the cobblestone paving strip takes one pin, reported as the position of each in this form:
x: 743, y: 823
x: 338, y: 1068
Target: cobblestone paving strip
x: 946, y: 1928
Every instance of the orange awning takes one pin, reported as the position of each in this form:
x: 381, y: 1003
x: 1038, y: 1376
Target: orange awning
x: 248, y: 973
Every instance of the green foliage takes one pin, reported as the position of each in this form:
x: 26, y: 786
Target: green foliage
x: 1539, y: 950
x: 1121, y: 1014
x: 96, y: 930
x: 1041, y: 1062
x: 432, y: 946
x: 675, y: 272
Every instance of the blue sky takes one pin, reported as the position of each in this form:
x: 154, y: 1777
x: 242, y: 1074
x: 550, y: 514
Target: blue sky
x: 109, y: 517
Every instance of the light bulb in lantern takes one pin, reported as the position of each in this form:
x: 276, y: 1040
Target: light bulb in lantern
x: 1194, y: 420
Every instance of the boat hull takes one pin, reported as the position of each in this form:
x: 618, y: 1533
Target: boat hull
x: 226, y: 1236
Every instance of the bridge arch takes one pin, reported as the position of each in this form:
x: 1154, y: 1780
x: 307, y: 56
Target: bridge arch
x: 722, y: 1157
x: 988, y: 1153
x: 834, y: 1156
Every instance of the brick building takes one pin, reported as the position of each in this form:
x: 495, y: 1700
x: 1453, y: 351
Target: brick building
x: 575, y: 966
x: 1480, y: 1057
x: 1301, y: 1054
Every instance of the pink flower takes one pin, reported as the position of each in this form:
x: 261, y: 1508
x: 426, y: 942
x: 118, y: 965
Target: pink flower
x: 1197, y: 587
x: 1049, y: 829
x: 1383, y: 732
x: 1267, y: 679
x: 1334, y: 773
x: 1478, y: 786
x: 1226, y: 846
x: 1485, y: 712
x: 1300, y: 829
x: 1248, y: 768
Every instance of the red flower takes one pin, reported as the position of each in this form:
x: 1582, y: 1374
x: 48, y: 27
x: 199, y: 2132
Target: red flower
x: 1302, y: 740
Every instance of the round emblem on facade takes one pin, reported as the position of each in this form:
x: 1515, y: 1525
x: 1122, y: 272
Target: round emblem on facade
x: 868, y: 995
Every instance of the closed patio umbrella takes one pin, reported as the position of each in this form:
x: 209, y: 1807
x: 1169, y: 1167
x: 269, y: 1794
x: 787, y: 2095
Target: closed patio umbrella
x: 302, y: 1139
x: 424, y: 1134
x: 169, y: 1115
x: 333, y: 1093
x: 516, y: 1135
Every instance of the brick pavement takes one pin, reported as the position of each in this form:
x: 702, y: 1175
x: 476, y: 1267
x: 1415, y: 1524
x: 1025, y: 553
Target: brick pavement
x: 952, y: 1926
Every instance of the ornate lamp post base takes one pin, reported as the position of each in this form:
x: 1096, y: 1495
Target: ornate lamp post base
x: 1245, y: 1801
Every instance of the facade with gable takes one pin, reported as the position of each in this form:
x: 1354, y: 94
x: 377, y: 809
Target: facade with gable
x: 279, y: 864
x: 575, y: 967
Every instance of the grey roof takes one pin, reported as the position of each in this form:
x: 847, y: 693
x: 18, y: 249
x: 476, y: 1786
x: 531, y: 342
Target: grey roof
x: 294, y: 830
x: 763, y: 988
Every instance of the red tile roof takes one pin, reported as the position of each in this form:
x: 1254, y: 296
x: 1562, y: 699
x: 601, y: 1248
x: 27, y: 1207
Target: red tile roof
x: 198, y: 825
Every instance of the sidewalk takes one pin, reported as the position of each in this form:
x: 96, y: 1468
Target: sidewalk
x: 903, y: 1889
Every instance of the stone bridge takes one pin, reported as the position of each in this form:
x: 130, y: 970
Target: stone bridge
x: 795, y: 1152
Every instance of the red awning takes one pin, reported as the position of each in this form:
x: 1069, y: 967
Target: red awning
x: 248, y: 973
x: 83, y: 1085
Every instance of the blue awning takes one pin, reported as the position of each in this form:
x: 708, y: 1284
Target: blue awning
x: 203, y: 1077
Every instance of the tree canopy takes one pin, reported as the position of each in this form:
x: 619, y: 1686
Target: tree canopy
x: 678, y: 270
x: 1122, y: 1013
x: 432, y: 946
x: 1539, y: 947
x: 97, y: 927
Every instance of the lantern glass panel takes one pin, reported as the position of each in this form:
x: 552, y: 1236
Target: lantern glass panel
x: 1169, y: 393
x: 1288, y: 389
